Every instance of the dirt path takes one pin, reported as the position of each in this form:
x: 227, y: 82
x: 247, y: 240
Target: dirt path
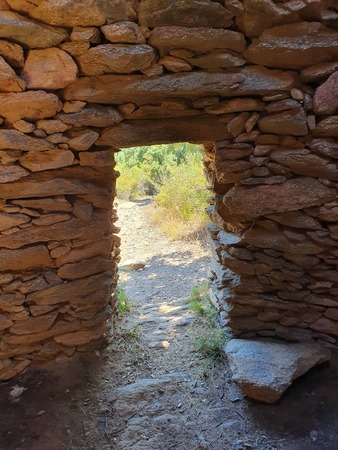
x: 151, y: 389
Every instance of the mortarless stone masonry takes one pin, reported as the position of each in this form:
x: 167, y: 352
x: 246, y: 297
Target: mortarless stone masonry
x: 255, y: 81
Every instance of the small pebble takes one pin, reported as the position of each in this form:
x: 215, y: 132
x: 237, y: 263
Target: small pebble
x: 314, y: 435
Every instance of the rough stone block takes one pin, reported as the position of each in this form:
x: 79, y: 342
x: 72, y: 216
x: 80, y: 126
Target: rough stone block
x: 25, y: 258
x: 186, y: 13
x: 147, y: 132
x: 325, y: 100
x: 9, y: 81
x: 120, y: 89
x: 31, y: 105
x: 196, y: 39
x: 116, y: 58
x: 294, y: 46
x: 67, y: 13
x: 28, y: 32
x: 124, y: 33
x: 265, y: 368
x: 50, y: 68
x: 292, y: 195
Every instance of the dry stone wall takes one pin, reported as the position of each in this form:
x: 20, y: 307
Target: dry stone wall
x: 255, y: 80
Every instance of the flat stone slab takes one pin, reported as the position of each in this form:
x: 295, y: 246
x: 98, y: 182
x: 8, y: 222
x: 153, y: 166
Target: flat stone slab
x: 265, y: 368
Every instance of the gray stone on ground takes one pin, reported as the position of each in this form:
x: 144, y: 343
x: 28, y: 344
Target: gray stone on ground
x: 265, y: 368
x: 133, y: 265
x: 141, y: 395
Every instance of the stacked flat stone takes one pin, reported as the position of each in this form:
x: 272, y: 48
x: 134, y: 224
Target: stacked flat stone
x: 255, y: 81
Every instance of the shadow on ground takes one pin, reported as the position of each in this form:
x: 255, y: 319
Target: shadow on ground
x: 53, y: 411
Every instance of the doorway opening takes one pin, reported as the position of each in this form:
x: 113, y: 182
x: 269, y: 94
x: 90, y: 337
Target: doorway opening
x: 171, y: 177
x: 161, y: 200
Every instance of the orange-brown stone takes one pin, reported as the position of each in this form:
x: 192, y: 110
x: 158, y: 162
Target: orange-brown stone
x: 50, y: 68
x: 31, y: 105
x: 9, y: 81
x: 12, y: 53
x: 25, y: 258
x: 67, y: 13
x: 29, y: 32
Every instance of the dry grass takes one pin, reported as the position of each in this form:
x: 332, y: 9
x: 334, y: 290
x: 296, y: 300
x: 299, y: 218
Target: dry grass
x: 177, y: 229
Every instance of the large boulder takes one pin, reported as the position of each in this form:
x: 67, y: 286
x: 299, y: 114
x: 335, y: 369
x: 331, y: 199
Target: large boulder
x: 265, y: 368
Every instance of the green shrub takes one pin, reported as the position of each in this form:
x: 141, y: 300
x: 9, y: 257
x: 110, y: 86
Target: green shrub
x: 123, y: 304
x: 151, y: 165
x: 173, y: 174
x: 131, y: 184
x: 184, y: 190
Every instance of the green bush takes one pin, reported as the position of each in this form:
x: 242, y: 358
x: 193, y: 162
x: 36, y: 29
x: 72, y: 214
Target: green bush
x: 173, y: 175
x: 184, y: 191
x: 131, y: 184
x: 149, y: 167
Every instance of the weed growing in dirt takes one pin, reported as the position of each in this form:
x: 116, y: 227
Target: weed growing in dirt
x: 133, y: 332
x: 123, y: 304
x: 200, y: 303
x: 211, y: 338
x: 212, y: 343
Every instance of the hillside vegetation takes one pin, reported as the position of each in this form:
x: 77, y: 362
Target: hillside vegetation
x: 173, y: 176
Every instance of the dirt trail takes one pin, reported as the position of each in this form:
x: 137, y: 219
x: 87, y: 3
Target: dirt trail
x: 150, y: 389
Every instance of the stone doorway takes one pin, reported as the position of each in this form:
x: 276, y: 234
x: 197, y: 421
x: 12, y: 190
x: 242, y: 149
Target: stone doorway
x: 74, y: 87
x: 161, y: 200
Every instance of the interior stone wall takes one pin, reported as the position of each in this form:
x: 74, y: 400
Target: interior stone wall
x: 255, y: 80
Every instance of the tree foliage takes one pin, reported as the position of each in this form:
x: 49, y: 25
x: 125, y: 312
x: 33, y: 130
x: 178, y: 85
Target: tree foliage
x: 173, y: 175
x: 145, y: 169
